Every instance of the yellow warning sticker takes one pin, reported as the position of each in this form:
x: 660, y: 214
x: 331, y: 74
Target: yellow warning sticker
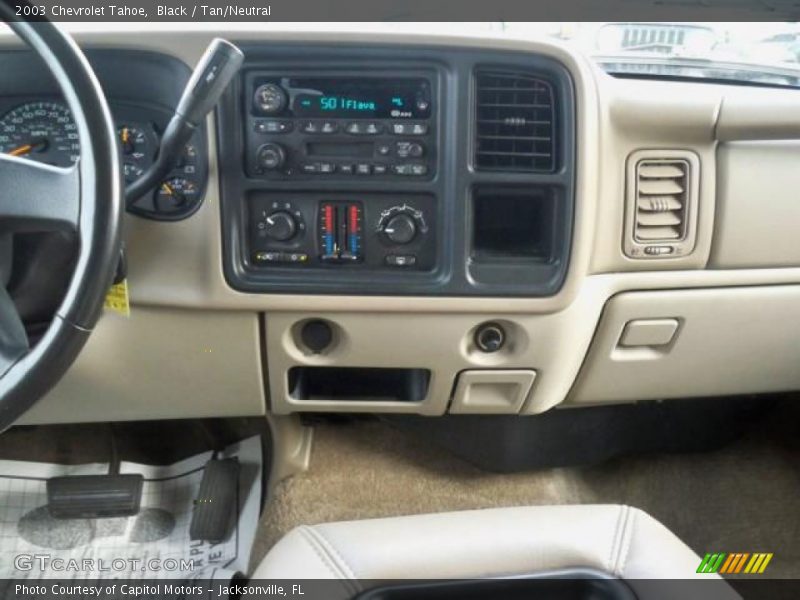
x: 117, y: 299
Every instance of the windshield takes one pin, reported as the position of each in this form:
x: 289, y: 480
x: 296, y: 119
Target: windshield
x: 757, y: 53
x: 753, y: 53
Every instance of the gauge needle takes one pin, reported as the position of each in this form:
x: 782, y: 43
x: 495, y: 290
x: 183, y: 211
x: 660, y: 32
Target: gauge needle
x: 125, y: 135
x: 21, y: 150
x: 28, y: 148
x: 168, y: 188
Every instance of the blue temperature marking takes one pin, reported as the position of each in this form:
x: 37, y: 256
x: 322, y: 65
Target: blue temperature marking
x: 328, y: 243
x: 353, y: 243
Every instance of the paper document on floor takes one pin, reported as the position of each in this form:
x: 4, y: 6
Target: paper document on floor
x: 154, y: 544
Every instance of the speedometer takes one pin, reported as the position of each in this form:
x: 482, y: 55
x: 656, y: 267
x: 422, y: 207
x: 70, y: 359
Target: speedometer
x: 40, y: 131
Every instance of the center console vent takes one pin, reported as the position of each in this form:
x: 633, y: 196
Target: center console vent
x: 514, y: 122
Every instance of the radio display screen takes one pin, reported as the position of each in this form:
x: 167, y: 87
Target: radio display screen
x: 360, y: 98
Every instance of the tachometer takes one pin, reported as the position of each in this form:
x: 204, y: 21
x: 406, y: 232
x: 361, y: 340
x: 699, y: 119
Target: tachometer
x: 40, y: 131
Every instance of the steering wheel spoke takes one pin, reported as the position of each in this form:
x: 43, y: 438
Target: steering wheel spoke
x: 13, y: 339
x: 38, y: 197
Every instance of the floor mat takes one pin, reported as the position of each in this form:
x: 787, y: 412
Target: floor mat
x: 153, y: 544
x: 742, y: 498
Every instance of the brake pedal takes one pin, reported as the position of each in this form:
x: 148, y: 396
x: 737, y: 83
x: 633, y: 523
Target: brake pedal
x: 216, y: 502
x: 94, y: 496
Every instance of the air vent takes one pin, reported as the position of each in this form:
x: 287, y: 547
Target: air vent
x: 662, y: 197
x: 515, y: 122
x: 661, y: 200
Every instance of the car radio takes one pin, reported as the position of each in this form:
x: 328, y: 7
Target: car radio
x: 344, y: 127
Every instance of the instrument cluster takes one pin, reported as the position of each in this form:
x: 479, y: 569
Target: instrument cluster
x: 44, y: 131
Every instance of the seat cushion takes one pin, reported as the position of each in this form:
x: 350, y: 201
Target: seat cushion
x: 617, y: 540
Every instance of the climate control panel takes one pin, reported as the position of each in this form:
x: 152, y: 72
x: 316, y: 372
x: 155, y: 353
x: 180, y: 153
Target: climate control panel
x: 362, y: 231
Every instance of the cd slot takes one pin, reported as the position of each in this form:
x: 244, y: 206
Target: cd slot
x: 339, y: 150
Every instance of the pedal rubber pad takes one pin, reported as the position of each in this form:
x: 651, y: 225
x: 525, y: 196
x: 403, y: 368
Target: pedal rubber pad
x: 94, y: 496
x: 216, y: 502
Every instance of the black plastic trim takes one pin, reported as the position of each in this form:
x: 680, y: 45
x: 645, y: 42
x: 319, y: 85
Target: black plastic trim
x: 452, y: 185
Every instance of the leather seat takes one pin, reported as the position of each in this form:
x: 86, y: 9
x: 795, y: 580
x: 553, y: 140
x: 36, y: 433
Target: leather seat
x: 619, y: 541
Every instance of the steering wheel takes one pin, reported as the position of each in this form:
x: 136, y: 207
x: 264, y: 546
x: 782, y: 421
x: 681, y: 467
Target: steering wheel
x: 85, y: 199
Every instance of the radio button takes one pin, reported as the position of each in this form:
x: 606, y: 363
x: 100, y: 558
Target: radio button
x: 409, y: 128
x: 329, y: 127
x: 384, y: 149
x: 326, y: 168
x: 419, y: 170
x: 364, y: 128
x: 311, y: 168
x: 363, y: 169
x: 379, y: 169
x: 410, y: 149
x: 346, y: 169
x: 273, y: 126
x: 310, y: 127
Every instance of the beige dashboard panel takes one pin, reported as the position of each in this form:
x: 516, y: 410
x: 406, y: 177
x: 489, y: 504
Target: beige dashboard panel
x: 161, y: 364
x: 553, y: 345
x: 728, y: 341
x: 758, y: 211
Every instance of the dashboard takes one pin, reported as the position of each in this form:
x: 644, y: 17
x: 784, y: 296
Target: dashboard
x: 39, y: 126
x: 421, y: 171
x: 478, y: 225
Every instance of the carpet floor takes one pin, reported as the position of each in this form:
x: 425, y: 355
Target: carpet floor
x: 743, y: 497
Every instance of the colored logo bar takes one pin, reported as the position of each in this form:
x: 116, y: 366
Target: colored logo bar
x: 736, y: 562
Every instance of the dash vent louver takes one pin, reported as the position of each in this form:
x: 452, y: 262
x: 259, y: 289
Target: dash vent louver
x: 662, y: 198
x: 515, y: 125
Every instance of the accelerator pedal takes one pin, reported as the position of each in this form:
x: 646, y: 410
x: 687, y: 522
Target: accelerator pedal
x: 216, y: 502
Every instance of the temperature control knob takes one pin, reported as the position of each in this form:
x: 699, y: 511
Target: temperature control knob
x: 400, y: 229
x: 271, y: 156
x: 280, y: 226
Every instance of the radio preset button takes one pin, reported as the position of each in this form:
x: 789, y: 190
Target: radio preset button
x: 329, y: 127
x: 363, y: 169
x: 310, y: 127
x: 410, y: 128
x: 364, y: 128
x: 311, y: 168
x: 326, y: 168
x: 379, y: 169
x: 346, y: 169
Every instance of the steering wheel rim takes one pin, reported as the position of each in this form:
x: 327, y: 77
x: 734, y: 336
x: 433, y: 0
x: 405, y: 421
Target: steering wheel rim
x: 86, y: 198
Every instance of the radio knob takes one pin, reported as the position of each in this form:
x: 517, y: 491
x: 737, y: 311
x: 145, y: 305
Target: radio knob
x: 270, y: 99
x: 280, y: 226
x: 271, y: 156
x: 400, y: 229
